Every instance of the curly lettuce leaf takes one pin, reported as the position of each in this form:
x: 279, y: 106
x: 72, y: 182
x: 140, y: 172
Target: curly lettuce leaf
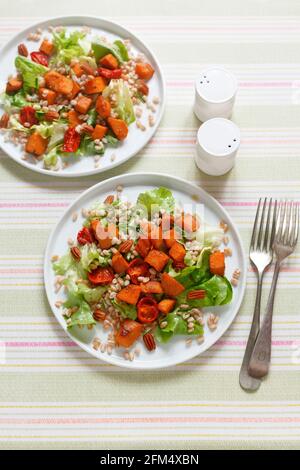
x: 14, y: 102
x: 125, y: 310
x: 70, y: 46
x: 63, y: 264
x: 89, y: 148
x: 30, y: 71
x: 118, y: 49
x: 83, y: 316
x: 156, y: 199
x: 90, y: 256
x: 176, y: 325
x: 124, y: 107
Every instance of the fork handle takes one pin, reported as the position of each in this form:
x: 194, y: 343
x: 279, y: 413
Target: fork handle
x: 261, y: 356
x: 247, y: 382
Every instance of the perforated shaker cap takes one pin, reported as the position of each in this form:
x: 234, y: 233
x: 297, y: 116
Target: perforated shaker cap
x: 219, y: 137
x: 216, y: 85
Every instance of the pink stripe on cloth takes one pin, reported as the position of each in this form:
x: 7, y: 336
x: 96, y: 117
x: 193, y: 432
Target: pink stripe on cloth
x: 32, y: 204
x: 38, y: 344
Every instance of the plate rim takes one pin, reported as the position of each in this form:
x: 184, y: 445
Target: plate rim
x: 114, y: 164
x: 127, y: 364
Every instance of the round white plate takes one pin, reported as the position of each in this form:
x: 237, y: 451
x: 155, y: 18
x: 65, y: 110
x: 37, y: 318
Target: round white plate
x: 136, y: 139
x: 176, y: 350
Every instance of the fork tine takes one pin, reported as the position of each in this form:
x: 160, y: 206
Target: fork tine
x: 289, y: 222
x: 261, y: 227
x: 295, y: 225
x: 274, y: 222
x: 253, y: 237
x: 281, y: 222
x: 266, y: 237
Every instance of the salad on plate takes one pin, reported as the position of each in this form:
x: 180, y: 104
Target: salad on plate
x: 74, y: 96
x: 144, y: 270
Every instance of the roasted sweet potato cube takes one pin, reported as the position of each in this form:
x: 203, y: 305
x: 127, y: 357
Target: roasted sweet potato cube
x: 47, y: 95
x: 109, y: 62
x: 36, y: 144
x: 75, y: 91
x: 217, y: 263
x: 187, y: 222
x: 119, y: 127
x: 58, y: 82
x: 143, y: 247
x: 152, y: 287
x: 157, y: 259
x: 76, y: 68
x: 157, y: 238
x: 166, y: 306
x: 13, y: 85
x: 170, y: 286
x: 170, y: 236
x: 73, y: 118
x: 47, y: 47
x: 129, y: 294
x: 83, y: 104
x: 99, y: 132
x: 95, y: 85
x: 177, y: 251
x: 119, y: 264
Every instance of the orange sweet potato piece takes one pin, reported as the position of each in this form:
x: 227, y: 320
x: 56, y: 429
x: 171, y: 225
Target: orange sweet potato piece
x: 58, y: 82
x: 95, y: 85
x: 73, y: 118
x: 75, y: 91
x: 103, y: 107
x: 144, y: 71
x: 48, y: 95
x: 128, y: 333
x: 129, y: 294
x: 13, y: 84
x: 36, y: 144
x: 170, y: 286
x: 76, y: 68
x: 99, y: 132
x: 143, y: 247
x: 187, y: 222
x: 177, y: 251
x: 119, y: 264
x: 83, y: 104
x: 167, y: 221
x: 217, y: 263
x: 152, y: 287
x: 47, y: 47
x: 105, y: 235
x: 166, y: 306
x: 170, y: 236
x: 109, y: 62
x: 157, y: 238
x: 119, y: 127
x: 157, y: 259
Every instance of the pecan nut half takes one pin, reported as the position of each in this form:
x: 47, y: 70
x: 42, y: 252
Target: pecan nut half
x: 87, y: 129
x: 99, y: 315
x: 4, y: 121
x: 51, y: 115
x: 126, y: 246
x: 22, y: 50
x: 196, y: 294
x: 149, y: 341
x: 76, y: 253
x: 110, y: 199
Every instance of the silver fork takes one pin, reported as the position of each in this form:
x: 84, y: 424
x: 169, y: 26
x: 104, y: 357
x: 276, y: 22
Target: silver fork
x: 261, y: 256
x: 286, y: 237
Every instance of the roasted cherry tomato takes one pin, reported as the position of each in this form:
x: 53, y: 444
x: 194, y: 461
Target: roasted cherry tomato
x: 85, y: 236
x: 137, y: 268
x: 109, y: 74
x: 40, y: 58
x: 28, y: 116
x: 101, y: 276
x: 71, y: 140
x: 147, y: 310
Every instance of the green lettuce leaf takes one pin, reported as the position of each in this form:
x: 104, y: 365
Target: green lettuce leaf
x: 218, y: 292
x: 126, y: 310
x: 175, y: 326
x: 52, y: 158
x: 124, y: 107
x: 30, y: 71
x: 155, y: 199
x: 63, y: 264
x: 118, y: 49
x: 91, y: 256
x: 70, y: 46
x: 83, y: 316
x: 89, y: 148
x: 14, y: 102
x: 195, y: 275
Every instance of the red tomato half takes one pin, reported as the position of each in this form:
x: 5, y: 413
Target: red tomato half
x: 147, y: 310
x: 84, y: 236
x: 101, y: 276
x: 137, y: 268
x: 40, y: 58
x: 28, y: 116
x: 71, y: 140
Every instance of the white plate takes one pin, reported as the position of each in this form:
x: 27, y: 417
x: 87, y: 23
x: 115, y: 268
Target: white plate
x: 136, y: 139
x: 176, y: 350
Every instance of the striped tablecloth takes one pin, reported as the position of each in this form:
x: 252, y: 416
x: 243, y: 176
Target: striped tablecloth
x: 52, y: 394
